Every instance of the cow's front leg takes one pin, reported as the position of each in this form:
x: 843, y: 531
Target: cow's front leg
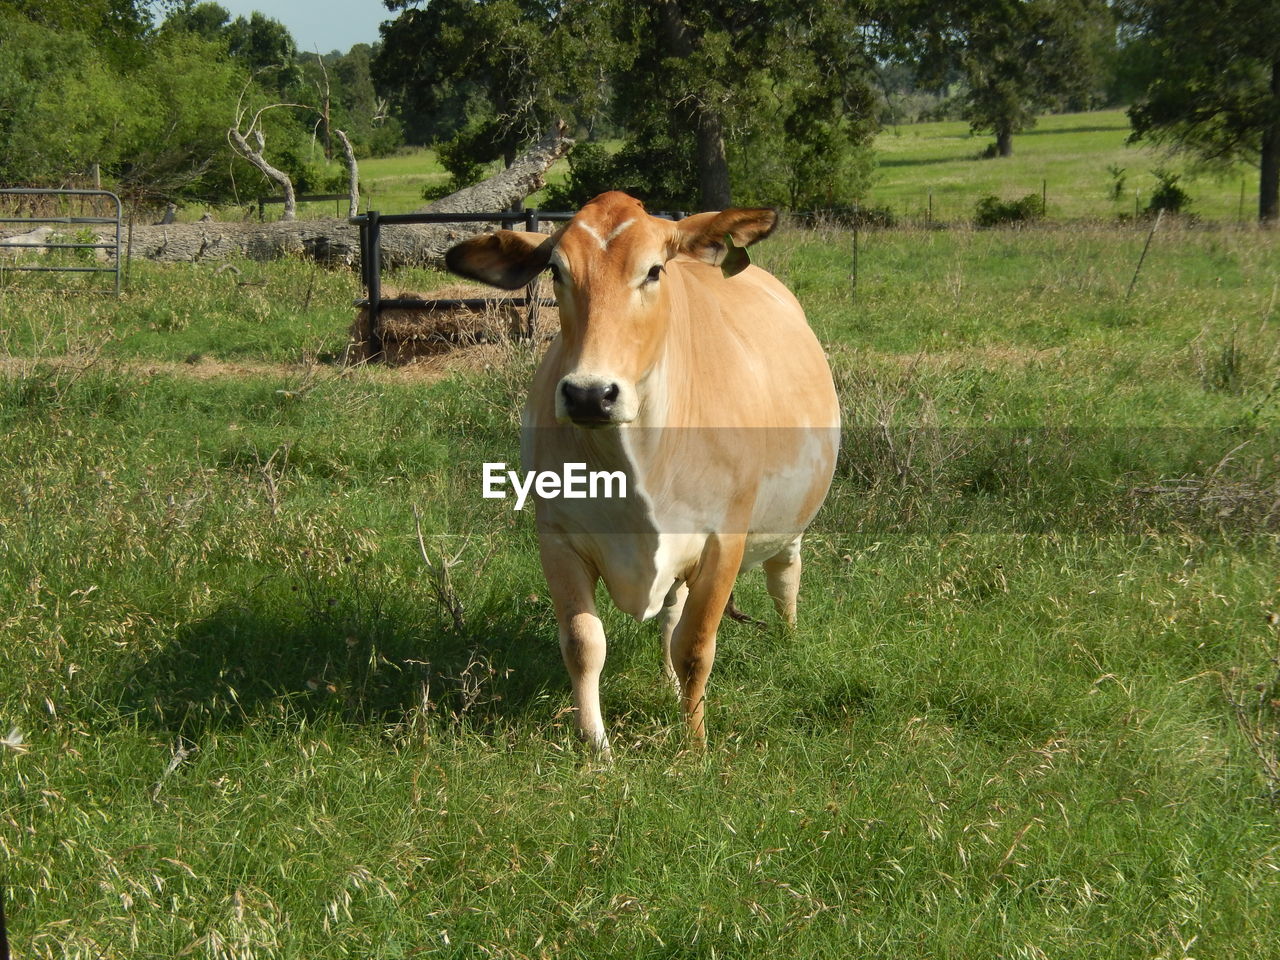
x: 582, y: 645
x: 693, y: 645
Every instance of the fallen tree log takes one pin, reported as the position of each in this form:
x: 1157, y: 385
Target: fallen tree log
x: 336, y: 242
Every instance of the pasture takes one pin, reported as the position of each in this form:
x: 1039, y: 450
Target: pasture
x: 1070, y: 156
x: 1031, y: 709
x: 1073, y: 157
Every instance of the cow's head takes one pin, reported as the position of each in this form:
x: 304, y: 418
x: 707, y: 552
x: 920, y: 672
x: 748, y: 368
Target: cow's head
x: 608, y: 265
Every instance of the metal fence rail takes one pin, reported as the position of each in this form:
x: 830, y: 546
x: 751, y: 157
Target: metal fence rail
x: 69, y: 220
x: 371, y: 224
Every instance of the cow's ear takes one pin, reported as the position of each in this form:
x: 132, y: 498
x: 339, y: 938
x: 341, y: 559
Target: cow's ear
x: 720, y: 238
x: 508, y: 259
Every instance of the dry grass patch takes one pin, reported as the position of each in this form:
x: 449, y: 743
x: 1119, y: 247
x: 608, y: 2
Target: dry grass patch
x: 412, y: 334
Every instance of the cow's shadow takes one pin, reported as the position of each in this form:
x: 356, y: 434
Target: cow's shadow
x: 360, y: 657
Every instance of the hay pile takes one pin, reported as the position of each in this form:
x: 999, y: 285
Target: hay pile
x: 409, y: 334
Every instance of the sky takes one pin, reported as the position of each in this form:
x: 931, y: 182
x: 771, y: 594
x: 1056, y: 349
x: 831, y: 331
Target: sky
x: 322, y: 25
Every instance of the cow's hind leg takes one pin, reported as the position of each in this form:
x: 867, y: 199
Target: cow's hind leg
x: 693, y: 644
x: 672, y: 609
x: 582, y: 643
x: 782, y: 580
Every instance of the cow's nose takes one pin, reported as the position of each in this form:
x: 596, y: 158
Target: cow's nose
x: 589, y: 403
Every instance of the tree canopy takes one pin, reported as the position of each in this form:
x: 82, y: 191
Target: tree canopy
x: 1216, y: 94
x: 98, y: 83
x: 1017, y: 58
x: 705, y: 93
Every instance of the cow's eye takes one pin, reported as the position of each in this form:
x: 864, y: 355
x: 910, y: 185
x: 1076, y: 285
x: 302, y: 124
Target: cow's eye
x: 654, y: 273
x: 555, y: 273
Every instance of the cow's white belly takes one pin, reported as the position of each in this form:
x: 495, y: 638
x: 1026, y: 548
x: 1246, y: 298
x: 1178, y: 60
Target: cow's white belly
x: 640, y: 569
x: 643, y: 544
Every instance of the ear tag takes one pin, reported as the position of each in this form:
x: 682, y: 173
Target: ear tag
x: 735, y: 258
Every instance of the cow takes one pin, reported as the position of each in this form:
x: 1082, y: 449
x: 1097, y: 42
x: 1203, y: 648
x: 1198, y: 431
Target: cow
x: 696, y: 375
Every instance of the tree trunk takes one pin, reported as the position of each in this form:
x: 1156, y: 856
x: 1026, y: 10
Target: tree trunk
x: 1004, y: 142
x: 1269, y: 181
x: 258, y: 160
x: 713, y: 165
x: 336, y: 242
x: 353, y: 174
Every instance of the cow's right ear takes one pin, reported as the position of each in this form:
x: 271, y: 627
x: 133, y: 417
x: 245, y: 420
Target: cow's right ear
x: 508, y: 258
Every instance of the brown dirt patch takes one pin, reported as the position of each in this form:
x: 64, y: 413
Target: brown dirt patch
x: 469, y: 359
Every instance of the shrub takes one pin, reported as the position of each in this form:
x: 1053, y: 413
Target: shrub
x: 991, y: 211
x: 591, y: 172
x: 1168, y: 196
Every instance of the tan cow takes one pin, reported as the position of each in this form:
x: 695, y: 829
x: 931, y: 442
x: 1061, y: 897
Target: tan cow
x: 697, y: 377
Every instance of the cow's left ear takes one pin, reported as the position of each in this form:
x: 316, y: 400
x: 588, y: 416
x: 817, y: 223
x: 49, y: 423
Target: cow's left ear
x: 721, y: 238
x: 508, y: 258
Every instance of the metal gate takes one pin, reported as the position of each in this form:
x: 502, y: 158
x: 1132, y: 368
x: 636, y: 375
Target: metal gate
x: 371, y: 225
x: 42, y: 243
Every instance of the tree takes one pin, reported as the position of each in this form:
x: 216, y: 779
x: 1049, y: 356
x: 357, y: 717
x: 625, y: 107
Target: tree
x: 694, y: 84
x: 1217, y: 94
x: 486, y: 76
x: 769, y: 102
x: 1018, y: 57
x: 116, y: 28
x: 184, y: 98
x: 207, y: 20
x: 63, y: 105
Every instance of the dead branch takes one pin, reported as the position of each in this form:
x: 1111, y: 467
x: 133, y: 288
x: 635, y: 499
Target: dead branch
x: 353, y: 173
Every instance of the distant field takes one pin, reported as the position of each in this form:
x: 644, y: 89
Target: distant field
x: 1066, y: 155
x: 394, y: 184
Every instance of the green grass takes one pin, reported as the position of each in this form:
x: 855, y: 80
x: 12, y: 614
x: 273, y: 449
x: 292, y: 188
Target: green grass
x: 1037, y: 625
x: 1064, y: 156
x: 394, y: 184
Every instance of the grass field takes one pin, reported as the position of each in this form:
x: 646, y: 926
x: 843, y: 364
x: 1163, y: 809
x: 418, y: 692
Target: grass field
x: 1067, y: 157
x: 1031, y: 709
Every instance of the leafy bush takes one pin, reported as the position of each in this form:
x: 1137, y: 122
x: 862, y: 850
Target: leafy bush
x: 457, y: 157
x: 654, y: 169
x: 591, y: 172
x: 1168, y: 196
x: 991, y: 211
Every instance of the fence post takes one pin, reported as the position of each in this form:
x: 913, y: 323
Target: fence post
x: 1145, y: 247
x: 533, y: 302
x: 854, y: 276
x: 373, y: 281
